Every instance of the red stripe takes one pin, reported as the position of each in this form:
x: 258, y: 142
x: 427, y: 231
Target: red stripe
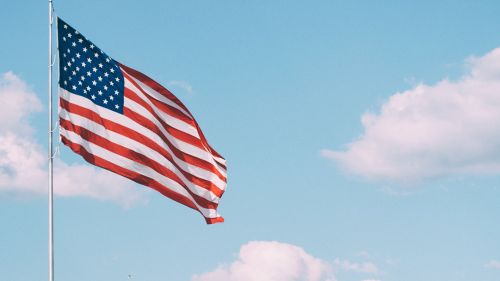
x: 214, y: 220
x: 141, y: 179
x: 166, y: 93
x: 134, y: 156
x: 155, y: 86
x: 174, y: 112
x: 147, y: 123
x: 134, y: 135
x: 178, y: 134
x: 170, y: 110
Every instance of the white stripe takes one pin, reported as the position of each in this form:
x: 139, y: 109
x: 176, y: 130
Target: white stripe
x: 157, y: 95
x: 192, y: 169
x: 220, y: 160
x: 136, y: 167
x: 172, y: 121
x: 182, y: 146
x: 127, y: 122
x: 138, y: 147
x: 163, y: 99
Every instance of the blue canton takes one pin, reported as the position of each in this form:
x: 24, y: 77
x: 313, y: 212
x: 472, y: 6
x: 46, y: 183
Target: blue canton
x: 87, y: 71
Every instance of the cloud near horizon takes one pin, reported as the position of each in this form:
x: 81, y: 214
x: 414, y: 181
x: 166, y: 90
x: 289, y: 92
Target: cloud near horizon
x: 23, y: 161
x: 432, y: 131
x: 271, y: 261
x: 276, y: 261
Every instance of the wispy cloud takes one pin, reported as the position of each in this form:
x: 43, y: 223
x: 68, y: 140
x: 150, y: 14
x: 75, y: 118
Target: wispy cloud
x: 364, y: 254
x: 432, y: 131
x: 493, y: 264
x: 362, y: 267
x: 270, y: 261
x: 183, y: 85
x: 23, y: 161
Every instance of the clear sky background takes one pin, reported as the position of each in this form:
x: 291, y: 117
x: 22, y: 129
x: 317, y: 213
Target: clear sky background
x: 362, y: 140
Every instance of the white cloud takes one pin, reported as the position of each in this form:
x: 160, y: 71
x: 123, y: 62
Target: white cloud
x: 493, y: 264
x: 185, y: 86
x: 371, y: 280
x: 23, y: 162
x: 18, y: 102
x: 87, y: 181
x: 270, y: 261
x: 432, y: 131
x: 364, y: 254
x: 363, y: 267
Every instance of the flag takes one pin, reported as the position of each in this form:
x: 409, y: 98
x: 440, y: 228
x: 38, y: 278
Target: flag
x: 121, y: 120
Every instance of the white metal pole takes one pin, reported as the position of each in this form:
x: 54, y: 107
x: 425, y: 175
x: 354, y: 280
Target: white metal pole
x: 51, y: 156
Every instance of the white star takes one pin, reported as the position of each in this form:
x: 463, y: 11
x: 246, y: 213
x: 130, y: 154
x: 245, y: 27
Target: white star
x: 107, y: 59
x: 117, y: 79
x: 117, y: 106
x: 92, y: 46
x: 94, y: 83
x: 85, y: 49
x: 94, y: 69
x: 80, y: 40
x: 99, y: 92
x: 106, y: 74
x: 73, y: 44
x: 100, y: 65
x: 105, y: 101
x: 73, y: 87
x: 77, y: 68
x: 64, y: 39
x: 93, y: 97
x: 74, y: 72
x: 64, y: 55
x: 96, y: 55
x: 111, y: 97
x: 99, y: 78
x: 89, y: 73
x: 65, y: 68
x: 65, y: 82
x: 80, y: 83
x: 112, y: 70
x: 76, y: 32
x: 78, y: 55
x: 69, y: 64
x: 82, y: 78
x: 83, y: 64
x: 89, y: 60
x: 88, y: 88
x: 84, y: 91
x: 111, y: 83
x: 68, y: 50
x: 116, y: 92
x: 73, y: 59
x: 69, y: 35
x: 105, y: 87
x: 65, y: 26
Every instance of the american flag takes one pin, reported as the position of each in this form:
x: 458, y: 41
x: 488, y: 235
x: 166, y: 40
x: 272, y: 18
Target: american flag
x: 119, y: 119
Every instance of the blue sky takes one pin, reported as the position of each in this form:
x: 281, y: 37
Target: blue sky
x: 280, y: 88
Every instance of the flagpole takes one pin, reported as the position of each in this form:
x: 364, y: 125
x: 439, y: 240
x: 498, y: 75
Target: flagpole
x: 51, y: 155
